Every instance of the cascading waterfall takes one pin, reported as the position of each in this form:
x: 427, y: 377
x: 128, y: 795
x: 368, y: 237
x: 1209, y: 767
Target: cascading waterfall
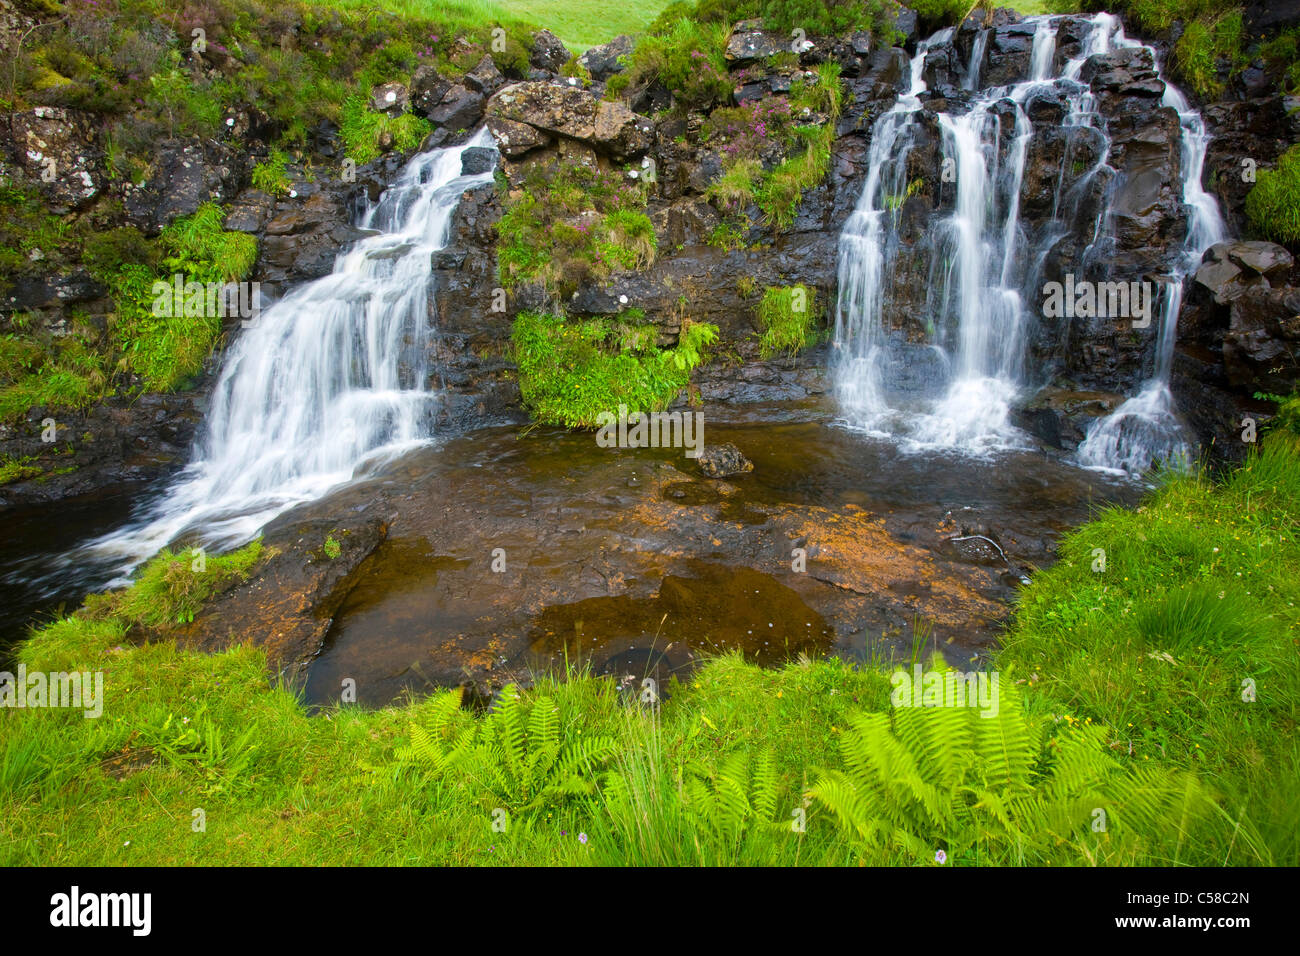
x: 983, y: 264
x: 1146, y: 429
x: 327, y: 381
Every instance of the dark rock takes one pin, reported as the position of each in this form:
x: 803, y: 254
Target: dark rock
x: 427, y: 89
x: 459, y: 110
x: 723, y: 461
x: 477, y: 160
x: 485, y: 78
x: 749, y: 44
x: 549, y: 52
x: 55, y: 149
x: 390, y: 98
x: 603, y: 61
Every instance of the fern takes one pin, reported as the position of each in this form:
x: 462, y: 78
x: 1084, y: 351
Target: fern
x: 516, y: 754
x: 997, y: 789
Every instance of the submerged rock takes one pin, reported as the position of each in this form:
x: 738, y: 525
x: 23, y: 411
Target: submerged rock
x: 723, y: 461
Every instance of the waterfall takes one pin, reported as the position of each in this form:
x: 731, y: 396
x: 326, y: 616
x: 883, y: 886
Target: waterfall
x: 1145, y: 429
x: 326, y: 382
x: 957, y: 389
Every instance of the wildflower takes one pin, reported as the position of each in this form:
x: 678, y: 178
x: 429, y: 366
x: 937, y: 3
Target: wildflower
x: 941, y: 857
x: 582, y: 838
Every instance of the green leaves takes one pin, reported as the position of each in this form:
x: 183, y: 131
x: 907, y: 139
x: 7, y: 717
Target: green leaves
x: 571, y: 372
x: 519, y: 755
x: 993, y: 787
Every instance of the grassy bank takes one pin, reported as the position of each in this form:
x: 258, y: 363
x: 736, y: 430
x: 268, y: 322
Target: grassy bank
x: 1125, y: 698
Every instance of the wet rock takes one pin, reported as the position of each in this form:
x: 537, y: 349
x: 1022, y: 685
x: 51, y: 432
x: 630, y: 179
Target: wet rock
x: 477, y: 160
x: 723, y: 461
x: 302, y: 241
x: 287, y: 605
x: 460, y: 109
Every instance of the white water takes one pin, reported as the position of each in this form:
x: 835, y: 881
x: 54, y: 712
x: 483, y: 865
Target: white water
x: 1146, y: 428
x: 983, y: 260
x: 328, y: 381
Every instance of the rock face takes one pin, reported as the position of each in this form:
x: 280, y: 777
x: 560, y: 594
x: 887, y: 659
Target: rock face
x: 185, y: 175
x: 54, y: 149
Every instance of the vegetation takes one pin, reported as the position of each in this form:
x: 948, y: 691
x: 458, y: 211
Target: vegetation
x: 571, y: 223
x: 1127, y: 732
x: 786, y: 319
x: 1273, y: 203
x: 365, y: 132
x: 572, y: 372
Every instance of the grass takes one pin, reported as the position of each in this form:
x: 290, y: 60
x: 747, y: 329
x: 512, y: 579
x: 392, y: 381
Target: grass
x: 786, y: 319
x: 570, y: 373
x: 1196, y: 606
x: 1122, y: 690
x: 1273, y: 203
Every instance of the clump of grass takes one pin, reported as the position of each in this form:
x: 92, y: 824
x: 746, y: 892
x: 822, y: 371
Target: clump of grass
x: 1273, y: 203
x: 17, y: 469
x: 365, y: 132
x: 174, y: 585
x: 570, y: 373
x: 270, y: 175
x: 786, y: 319
x: 686, y: 57
x: 571, y: 223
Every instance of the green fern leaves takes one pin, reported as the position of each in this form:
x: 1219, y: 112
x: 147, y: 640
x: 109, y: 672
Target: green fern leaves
x: 518, y: 754
x: 997, y: 789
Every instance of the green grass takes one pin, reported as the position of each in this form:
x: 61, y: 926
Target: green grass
x: 786, y: 319
x: 1198, y: 596
x: 1121, y: 691
x: 17, y: 469
x: 572, y: 372
x: 1273, y: 203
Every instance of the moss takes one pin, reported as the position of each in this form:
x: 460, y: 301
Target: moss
x: 17, y: 469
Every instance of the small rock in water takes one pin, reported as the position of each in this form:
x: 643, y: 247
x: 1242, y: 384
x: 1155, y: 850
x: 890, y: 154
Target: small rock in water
x: 723, y: 461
